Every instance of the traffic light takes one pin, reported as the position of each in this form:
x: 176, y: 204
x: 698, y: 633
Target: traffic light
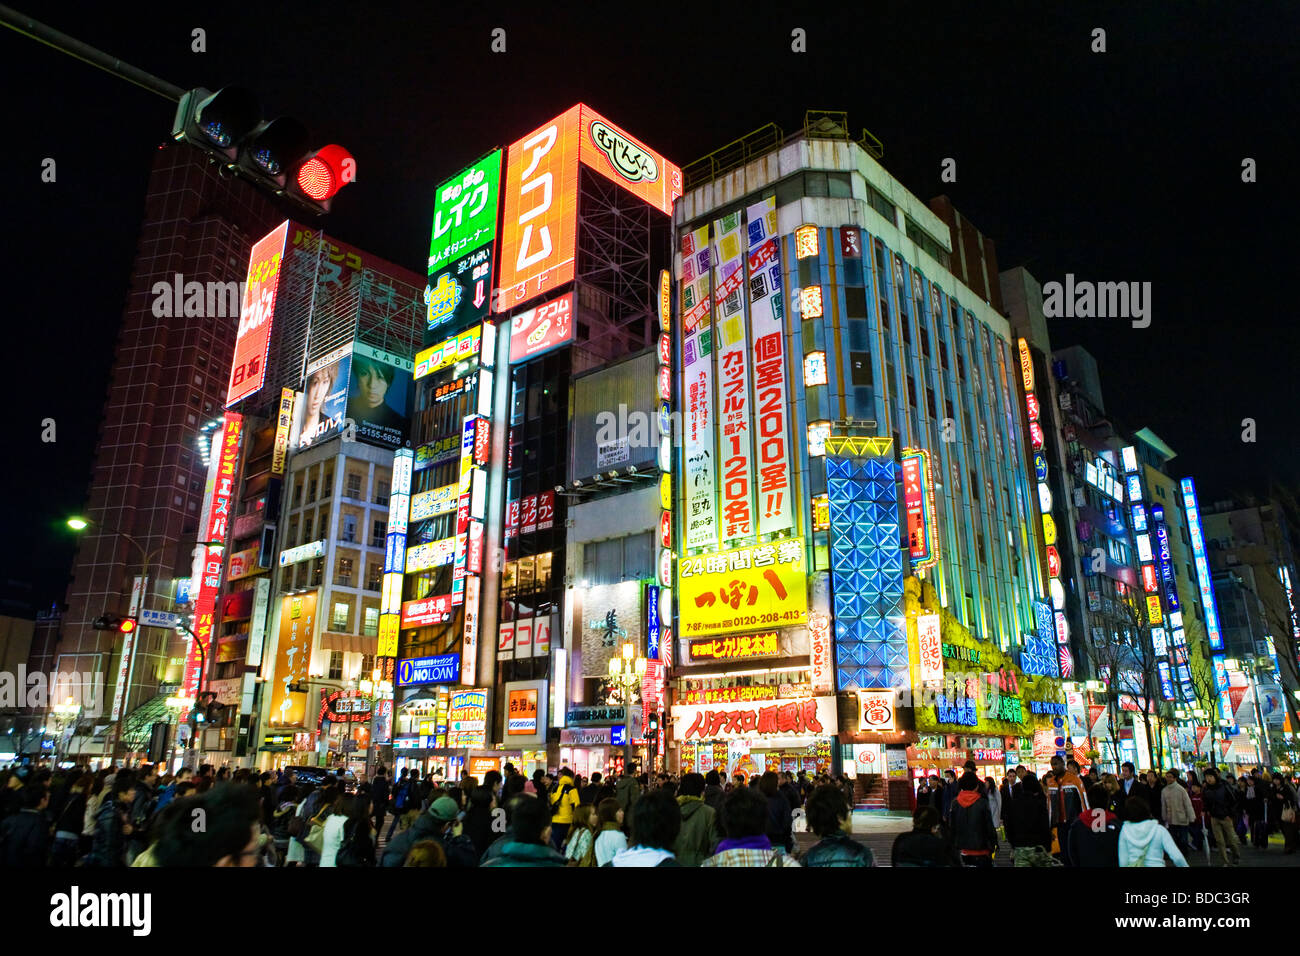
x: 127, y: 625
x: 115, y: 622
x: 275, y: 154
x: 654, y: 723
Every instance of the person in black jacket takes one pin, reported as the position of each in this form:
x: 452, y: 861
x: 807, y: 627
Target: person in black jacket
x: 780, y: 815
x: 379, y: 797
x: 113, y: 825
x: 1220, y: 806
x: 713, y: 792
x: 972, y: 823
x: 1026, y: 817
x: 1094, y: 834
x: 924, y: 844
x: 68, y: 824
x: 1130, y: 786
x: 24, y: 837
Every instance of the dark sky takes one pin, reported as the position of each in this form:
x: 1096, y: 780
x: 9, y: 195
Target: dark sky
x: 1116, y: 166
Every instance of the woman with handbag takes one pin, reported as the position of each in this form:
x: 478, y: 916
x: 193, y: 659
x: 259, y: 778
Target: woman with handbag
x: 1284, y: 799
x: 323, y: 838
x: 296, y: 828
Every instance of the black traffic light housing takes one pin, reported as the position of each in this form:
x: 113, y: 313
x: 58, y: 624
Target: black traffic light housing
x: 654, y: 722
x: 115, y: 622
x: 275, y: 154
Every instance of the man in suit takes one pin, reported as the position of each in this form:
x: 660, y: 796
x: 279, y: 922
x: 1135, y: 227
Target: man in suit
x: 1130, y: 786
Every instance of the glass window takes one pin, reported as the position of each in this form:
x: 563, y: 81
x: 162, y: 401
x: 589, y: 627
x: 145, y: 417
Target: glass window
x: 381, y: 491
x: 370, y: 628
x: 841, y: 186
x: 860, y: 369
x: 855, y: 302
x: 336, y: 665
x: 544, y: 571
x: 349, y: 528
x: 815, y: 184
x: 789, y: 191
x: 379, y: 534
x: 638, y: 556
x: 311, y: 490
x: 354, y: 485
x: 368, y: 662
x: 374, y: 576
x: 327, y: 487
x: 342, y: 611
x: 858, y: 335
x: 527, y: 575
x: 344, y: 576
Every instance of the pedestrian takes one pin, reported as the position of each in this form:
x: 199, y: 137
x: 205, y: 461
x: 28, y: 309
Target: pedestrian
x: 610, y: 838
x: 67, y: 826
x: 1094, y: 835
x: 379, y: 794
x: 1114, y: 795
x: 531, y: 846
x: 229, y: 837
x: 713, y: 793
x: 426, y: 853
x: 1131, y: 786
x: 1285, y: 796
x: 405, y: 796
x: 948, y: 795
x: 113, y: 827
x: 828, y: 817
x: 790, y: 791
x: 1143, y: 841
x: 1220, y: 805
x: 780, y: 815
x: 931, y: 795
x: 588, y: 793
x: 1156, y: 784
x: 281, y: 817
x: 1065, y: 801
x: 562, y: 802
x: 24, y: 836
x: 994, y: 797
x: 699, y: 827
x: 972, y: 824
x: 925, y: 844
x: 656, y: 824
x: 745, y: 818
x: 1177, y: 810
x: 627, y: 791
x: 356, y: 846
x: 1029, y: 829
x: 438, y: 823
x: 580, y: 847
x: 478, y: 819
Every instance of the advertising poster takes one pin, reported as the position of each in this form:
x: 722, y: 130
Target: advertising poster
x: 379, y: 396
x: 292, y: 659
x: 253, y: 339
x: 324, y: 401
x: 772, y: 414
x: 538, y: 330
x: 745, y: 589
x: 524, y: 704
x: 283, y: 427
x: 625, y: 161
x: 611, y: 614
x: 461, y: 247
x: 735, y: 409
x: 540, y: 227
x: 698, y: 454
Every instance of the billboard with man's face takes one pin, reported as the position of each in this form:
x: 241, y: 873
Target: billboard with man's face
x: 379, y: 397
x: 323, y: 404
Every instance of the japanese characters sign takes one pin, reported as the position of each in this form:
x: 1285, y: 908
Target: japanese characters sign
x: 876, y: 710
x: 548, y: 326
x: 465, y: 211
x: 292, y: 658
x: 735, y: 409
x: 253, y: 338
x: 746, y: 588
x: 736, y: 648
x: 611, y: 614
x: 772, y: 414
x: 809, y: 717
x: 283, y: 426
x: 699, y: 456
x: 929, y: 649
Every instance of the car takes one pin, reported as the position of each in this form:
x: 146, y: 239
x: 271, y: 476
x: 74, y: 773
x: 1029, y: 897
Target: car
x: 316, y: 776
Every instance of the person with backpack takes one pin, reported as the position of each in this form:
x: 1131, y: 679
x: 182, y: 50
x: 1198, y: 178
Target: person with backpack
x: 563, y: 800
x: 355, y: 846
x: 580, y: 849
x: 1143, y: 841
x: 1029, y: 829
x: 972, y: 824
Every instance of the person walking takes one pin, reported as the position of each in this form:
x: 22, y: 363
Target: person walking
x: 745, y: 818
x: 713, y: 792
x: 113, y: 827
x: 580, y: 847
x: 531, y: 846
x: 1143, y: 841
x: 610, y: 838
x: 356, y: 846
x: 697, y: 837
x: 379, y: 793
x: 656, y: 824
x: 828, y: 817
x: 1177, y: 810
x: 627, y: 791
x: 24, y: 837
x: 1094, y: 835
x: 1220, y: 805
x: 1254, y: 801
x: 972, y: 824
x: 1131, y: 786
x: 67, y: 827
x: 563, y: 800
x: 1029, y: 829
x: 1065, y: 801
x: 994, y: 797
x: 1285, y: 801
x: 925, y: 844
x: 478, y: 819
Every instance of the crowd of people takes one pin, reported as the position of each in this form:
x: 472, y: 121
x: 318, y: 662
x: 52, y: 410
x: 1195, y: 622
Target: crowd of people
x: 1094, y: 819
x: 138, y: 817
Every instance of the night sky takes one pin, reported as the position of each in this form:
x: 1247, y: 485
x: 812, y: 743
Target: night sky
x: 1122, y: 166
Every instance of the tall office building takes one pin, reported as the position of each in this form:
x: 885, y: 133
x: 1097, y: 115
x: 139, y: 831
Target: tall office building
x: 169, y: 377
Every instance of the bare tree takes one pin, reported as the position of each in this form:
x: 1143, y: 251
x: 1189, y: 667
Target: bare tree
x: 1113, y: 657
x: 1133, y: 614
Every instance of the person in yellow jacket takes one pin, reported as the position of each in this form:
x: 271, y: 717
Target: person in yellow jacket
x: 564, y: 799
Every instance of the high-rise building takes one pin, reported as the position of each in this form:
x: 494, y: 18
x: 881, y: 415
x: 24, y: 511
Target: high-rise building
x: 168, y: 380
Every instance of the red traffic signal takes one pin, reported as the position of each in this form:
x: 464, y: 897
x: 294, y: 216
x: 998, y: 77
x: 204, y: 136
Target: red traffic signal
x: 127, y: 625
x: 324, y: 173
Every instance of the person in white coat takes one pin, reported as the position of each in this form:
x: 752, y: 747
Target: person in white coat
x: 994, y: 796
x: 1176, y: 809
x: 332, y: 838
x: 1143, y: 841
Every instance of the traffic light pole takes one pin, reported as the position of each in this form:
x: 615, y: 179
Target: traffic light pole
x: 21, y: 23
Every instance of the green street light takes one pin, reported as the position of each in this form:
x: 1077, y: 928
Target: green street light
x: 78, y: 524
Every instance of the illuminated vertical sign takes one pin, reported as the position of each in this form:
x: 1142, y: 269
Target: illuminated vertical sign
x: 461, y: 247
x: 1201, y: 561
x: 735, y: 409
x: 771, y: 417
x: 283, y: 427
x: 929, y: 648
x: 399, y: 505
x: 253, y: 338
x: 918, y: 504
x: 469, y: 646
x: 699, y: 458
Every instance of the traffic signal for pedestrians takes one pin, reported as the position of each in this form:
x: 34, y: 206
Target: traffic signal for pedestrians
x: 276, y: 154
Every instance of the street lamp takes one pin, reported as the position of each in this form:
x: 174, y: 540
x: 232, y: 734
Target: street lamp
x: 64, y: 714
x: 627, y: 671
x: 176, y: 705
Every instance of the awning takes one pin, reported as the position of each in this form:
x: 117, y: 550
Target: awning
x: 349, y: 643
x: 138, y: 724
